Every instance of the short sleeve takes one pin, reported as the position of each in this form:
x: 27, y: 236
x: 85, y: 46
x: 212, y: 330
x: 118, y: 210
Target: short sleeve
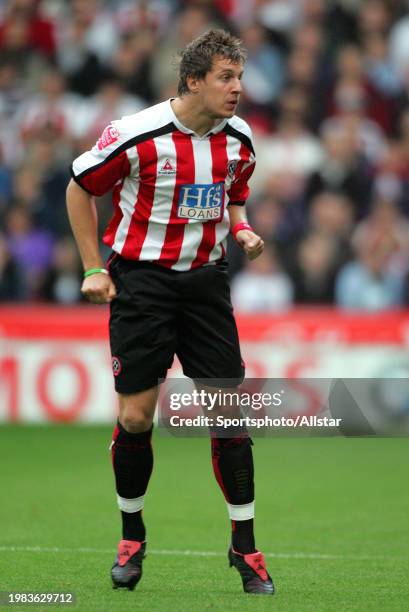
x: 98, y: 170
x: 239, y: 190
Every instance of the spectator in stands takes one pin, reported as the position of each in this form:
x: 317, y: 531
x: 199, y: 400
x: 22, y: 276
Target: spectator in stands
x: 280, y: 17
x: 26, y: 189
x: 51, y: 112
x: 309, y: 68
x: 87, y: 39
x: 374, y: 18
x: 340, y: 27
x: 266, y: 215
x: 97, y: 111
x: 285, y: 192
x: 350, y: 73
x: 17, y: 47
x: 262, y: 286
x: 6, y: 183
x: 101, y: 36
x: 378, y: 67
x: 391, y: 175
x: 266, y: 218
x: 309, y: 38
x: 342, y: 171
x: 38, y: 30
x: 330, y: 215
x: 40, y: 184
x: 385, y: 224
x: 135, y: 17
x: 403, y: 128
x: 314, y: 271
x: 292, y: 149
x: 62, y: 282
x: 30, y: 247
x: 264, y: 75
x: 399, y: 45
x: 402, y: 101
x: 12, y: 94
x: 368, y: 283
x: 131, y: 64
x: 13, y: 287
x: 351, y: 108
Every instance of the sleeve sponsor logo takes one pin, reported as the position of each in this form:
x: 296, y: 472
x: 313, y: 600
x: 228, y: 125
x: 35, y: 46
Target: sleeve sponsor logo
x: 201, y: 202
x: 108, y: 136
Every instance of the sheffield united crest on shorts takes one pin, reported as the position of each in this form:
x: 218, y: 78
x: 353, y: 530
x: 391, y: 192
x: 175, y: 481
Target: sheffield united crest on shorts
x: 116, y: 366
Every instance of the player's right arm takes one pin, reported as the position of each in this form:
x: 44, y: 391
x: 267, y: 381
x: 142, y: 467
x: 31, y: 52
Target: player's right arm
x: 94, y: 173
x: 98, y: 288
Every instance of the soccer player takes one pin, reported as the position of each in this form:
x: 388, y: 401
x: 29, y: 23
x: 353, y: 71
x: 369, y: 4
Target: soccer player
x: 179, y: 172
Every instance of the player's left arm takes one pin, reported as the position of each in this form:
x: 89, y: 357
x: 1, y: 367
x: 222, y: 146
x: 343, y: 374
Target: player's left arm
x: 246, y: 237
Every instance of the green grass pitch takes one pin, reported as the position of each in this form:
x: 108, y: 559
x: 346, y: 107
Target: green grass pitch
x: 332, y: 516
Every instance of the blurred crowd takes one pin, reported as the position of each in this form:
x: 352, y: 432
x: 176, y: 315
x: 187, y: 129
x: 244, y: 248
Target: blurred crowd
x: 326, y: 92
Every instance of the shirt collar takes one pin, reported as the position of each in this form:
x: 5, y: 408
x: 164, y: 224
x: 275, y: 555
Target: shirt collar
x: 186, y: 130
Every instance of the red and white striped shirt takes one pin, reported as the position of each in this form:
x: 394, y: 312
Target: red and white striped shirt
x: 171, y: 187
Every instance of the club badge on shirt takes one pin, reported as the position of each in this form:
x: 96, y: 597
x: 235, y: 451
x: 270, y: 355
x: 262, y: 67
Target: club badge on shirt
x: 232, y: 167
x: 201, y: 202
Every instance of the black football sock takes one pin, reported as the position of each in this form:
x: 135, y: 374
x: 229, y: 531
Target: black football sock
x: 132, y: 460
x: 133, y: 527
x: 243, y: 536
x: 232, y: 460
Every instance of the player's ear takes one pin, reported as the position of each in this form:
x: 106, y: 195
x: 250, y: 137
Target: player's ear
x: 193, y: 84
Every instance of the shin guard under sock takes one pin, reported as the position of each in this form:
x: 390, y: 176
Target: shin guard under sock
x: 232, y: 460
x: 132, y: 460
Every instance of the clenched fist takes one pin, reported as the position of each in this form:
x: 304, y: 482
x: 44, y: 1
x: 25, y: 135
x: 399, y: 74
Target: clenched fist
x: 98, y: 288
x: 250, y: 242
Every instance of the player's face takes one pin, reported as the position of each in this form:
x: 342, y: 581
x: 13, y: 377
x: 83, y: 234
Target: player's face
x: 221, y: 88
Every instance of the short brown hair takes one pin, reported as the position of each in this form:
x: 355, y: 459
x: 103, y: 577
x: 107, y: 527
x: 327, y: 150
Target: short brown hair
x: 197, y: 58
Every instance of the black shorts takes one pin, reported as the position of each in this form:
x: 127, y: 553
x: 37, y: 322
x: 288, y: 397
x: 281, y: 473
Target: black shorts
x: 160, y: 312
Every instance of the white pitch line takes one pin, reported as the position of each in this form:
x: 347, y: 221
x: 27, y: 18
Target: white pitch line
x: 201, y: 553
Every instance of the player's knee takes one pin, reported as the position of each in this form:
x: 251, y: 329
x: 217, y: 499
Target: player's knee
x: 136, y: 417
x: 135, y: 422
x: 136, y: 411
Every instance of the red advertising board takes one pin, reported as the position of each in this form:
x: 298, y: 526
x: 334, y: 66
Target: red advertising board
x: 55, y: 363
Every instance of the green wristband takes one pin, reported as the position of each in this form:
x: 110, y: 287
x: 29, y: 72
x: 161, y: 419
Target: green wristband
x: 95, y: 271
